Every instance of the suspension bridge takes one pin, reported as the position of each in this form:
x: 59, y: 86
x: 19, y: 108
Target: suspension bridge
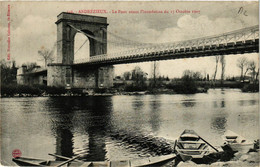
x: 240, y: 41
x: 96, y: 70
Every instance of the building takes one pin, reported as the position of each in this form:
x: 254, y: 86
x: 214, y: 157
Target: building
x: 33, y: 76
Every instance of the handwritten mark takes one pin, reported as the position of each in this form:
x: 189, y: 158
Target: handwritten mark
x: 242, y: 11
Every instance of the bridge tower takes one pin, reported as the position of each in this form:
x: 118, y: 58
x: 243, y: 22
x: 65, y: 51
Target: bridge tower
x: 62, y: 73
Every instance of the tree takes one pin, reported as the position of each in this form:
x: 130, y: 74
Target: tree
x: 216, y: 67
x: 127, y: 75
x: 138, y: 76
x: 223, y: 65
x: 252, y: 67
x: 30, y: 66
x: 242, y: 63
x: 8, y: 72
x: 155, y: 73
x: 46, y: 55
x: 188, y: 84
x: 257, y: 73
x: 194, y: 75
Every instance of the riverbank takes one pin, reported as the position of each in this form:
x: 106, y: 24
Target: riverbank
x: 89, y: 92
x: 238, y: 159
x: 43, y: 91
x: 250, y: 159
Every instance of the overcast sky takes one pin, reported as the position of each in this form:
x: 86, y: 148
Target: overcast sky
x: 33, y: 26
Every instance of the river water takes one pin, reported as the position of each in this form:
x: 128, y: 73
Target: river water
x: 121, y: 126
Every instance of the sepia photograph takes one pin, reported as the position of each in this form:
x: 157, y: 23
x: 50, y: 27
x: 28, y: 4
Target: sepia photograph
x: 129, y: 83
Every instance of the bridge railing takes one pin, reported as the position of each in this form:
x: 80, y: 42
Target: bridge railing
x: 242, y: 35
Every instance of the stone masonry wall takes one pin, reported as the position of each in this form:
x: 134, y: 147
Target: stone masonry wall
x: 56, y: 75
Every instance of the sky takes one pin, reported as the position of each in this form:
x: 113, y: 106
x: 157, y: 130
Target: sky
x: 33, y: 26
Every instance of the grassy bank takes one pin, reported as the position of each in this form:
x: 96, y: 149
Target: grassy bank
x: 25, y: 90
x: 165, y: 88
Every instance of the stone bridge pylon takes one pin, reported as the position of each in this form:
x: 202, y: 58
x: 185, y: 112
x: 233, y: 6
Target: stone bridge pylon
x: 62, y: 73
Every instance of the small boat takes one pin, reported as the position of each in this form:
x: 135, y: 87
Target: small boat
x: 27, y: 161
x: 237, y: 142
x: 152, y: 161
x: 190, y: 146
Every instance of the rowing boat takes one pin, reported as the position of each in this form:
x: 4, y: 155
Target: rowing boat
x: 237, y: 142
x: 190, y: 146
x: 151, y: 161
x: 27, y: 161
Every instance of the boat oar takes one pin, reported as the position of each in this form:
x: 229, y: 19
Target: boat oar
x: 59, y: 156
x: 65, y: 162
x: 174, y: 147
x: 208, y: 144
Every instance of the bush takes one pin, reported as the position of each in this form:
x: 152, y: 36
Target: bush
x: 133, y: 88
x: 251, y: 88
x: 55, y: 90
x: 187, y: 86
x: 11, y: 90
x: 8, y: 90
x: 100, y: 90
x: 35, y: 90
x: 24, y: 89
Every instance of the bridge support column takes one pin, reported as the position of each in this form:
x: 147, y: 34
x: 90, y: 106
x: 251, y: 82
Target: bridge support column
x: 80, y: 77
x: 105, y: 77
x: 59, y: 75
x: 94, y: 77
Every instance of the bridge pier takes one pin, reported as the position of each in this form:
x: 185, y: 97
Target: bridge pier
x: 60, y: 75
x: 64, y: 72
x: 94, y: 77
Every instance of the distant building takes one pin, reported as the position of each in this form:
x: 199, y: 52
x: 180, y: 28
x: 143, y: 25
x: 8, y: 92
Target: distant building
x: 35, y: 76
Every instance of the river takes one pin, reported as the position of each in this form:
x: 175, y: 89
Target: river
x: 111, y: 127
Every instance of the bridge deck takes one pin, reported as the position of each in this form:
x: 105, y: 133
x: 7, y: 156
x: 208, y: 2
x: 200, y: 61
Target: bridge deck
x: 239, y: 47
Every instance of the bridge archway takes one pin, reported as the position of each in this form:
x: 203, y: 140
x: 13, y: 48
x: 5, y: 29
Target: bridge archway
x: 81, y: 47
x: 69, y: 24
x: 63, y: 73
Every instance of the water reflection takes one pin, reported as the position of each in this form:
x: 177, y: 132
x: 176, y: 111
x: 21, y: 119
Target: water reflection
x: 61, y: 123
x: 91, y: 113
x: 64, y: 145
x: 219, y: 123
x: 138, y: 103
x: 223, y: 91
x: 252, y: 102
x: 155, y: 119
x: 188, y: 118
x: 138, y: 109
x: 99, y: 124
x: 219, y: 119
x: 223, y: 103
x: 125, y: 127
x: 247, y: 102
x: 188, y: 103
x: 215, y: 104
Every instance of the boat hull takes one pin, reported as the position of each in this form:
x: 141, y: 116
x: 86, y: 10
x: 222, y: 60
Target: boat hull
x: 190, y: 146
x: 243, y: 148
x: 23, y: 161
x: 237, y: 142
x: 152, y: 161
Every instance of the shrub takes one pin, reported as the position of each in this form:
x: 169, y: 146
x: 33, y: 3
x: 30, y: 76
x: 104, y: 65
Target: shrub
x: 250, y: 88
x: 24, y: 89
x: 133, y: 88
x: 8, y: 90
x: 55, y: 90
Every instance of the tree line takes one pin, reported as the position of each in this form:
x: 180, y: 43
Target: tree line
x: 247, y: 66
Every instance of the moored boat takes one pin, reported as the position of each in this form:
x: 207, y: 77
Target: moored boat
x: 28, y: 161
x: 237, y: 142
x: 190, y: 146
x: 152, y: 161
